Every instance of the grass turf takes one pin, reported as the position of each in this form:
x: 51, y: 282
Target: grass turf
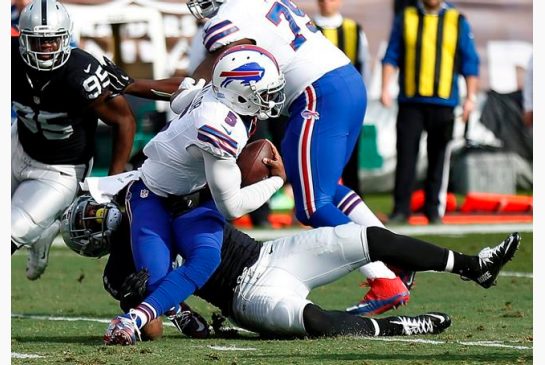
x: 483, y: 320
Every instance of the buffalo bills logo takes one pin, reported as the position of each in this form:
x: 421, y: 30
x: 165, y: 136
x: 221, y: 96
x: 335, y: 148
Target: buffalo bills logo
x: 308, y: 114
x: 245, y: 73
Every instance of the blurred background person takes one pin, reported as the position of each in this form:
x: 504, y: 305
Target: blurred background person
x: 430, y: 44
x: 349, y: 37
x: 399, y: 5
x: 16, y: 7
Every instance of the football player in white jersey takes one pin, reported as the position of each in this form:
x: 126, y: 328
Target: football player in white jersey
x: 325, y: 101
x: 58, y: 94
x: 190, y: 183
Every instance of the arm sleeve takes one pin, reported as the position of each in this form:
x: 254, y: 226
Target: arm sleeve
x: 469, y: 59
x: 223, y: 177
x: 393, y: 52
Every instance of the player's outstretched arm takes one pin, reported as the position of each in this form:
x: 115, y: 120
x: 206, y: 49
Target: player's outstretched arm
x: 123, y: 83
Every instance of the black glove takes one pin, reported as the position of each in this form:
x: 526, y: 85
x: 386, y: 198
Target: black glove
x: 190, y: 323
x: 119, y: 79
x: 133, y: 289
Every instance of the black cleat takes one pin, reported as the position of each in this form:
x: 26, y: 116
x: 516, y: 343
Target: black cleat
x: 493, y: 259
x: 429, y: 323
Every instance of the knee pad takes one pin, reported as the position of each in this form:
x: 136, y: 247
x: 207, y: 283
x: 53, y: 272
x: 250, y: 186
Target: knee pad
x: 286, y: 317
x: 353, y: 240
x: 23, y: 229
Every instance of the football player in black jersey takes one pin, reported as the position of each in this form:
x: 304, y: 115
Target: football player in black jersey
x: 58, y: 94
x: 263, y: 286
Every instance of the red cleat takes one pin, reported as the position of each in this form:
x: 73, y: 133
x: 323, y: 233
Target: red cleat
x: 383, y: 295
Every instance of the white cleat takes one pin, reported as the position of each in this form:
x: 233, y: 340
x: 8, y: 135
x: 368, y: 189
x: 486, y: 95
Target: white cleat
x: 38, y: 254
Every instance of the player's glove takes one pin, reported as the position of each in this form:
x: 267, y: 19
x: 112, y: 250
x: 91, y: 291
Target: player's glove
x: 189, y: 322
x: 119, y: 79
x: 185, y: 94
x: 133, y: 289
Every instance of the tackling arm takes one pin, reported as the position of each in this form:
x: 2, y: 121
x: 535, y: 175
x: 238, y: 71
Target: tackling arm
x: 121, y: 82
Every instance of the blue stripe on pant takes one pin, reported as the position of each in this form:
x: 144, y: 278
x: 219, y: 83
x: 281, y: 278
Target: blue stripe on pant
x: 156, y: 238
x: 324, y: 125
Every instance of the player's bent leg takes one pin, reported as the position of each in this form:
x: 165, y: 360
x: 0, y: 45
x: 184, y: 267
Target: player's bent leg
x: 328, y: 253
x: 38, y: 254
x: 322, y: 323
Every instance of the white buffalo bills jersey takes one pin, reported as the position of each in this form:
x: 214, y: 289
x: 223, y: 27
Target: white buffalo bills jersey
x: 279, y: 26
x: 170, y: 168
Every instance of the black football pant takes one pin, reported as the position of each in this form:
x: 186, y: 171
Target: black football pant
x: 412, y: 120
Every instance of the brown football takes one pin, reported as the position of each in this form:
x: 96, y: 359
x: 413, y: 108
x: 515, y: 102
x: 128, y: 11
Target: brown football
x: 250, y: 161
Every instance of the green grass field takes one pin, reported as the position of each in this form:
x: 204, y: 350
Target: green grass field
x: 491, y: 326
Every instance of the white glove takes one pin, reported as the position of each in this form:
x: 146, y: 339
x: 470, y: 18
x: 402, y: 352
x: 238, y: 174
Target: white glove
x: 184, y: 97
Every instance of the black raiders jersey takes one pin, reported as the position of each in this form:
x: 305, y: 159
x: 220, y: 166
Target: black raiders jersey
x: 54, y: 122
x: 238, y: 251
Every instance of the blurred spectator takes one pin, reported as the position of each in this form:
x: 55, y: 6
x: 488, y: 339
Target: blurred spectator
x: 16, y: 7
x: 430, y: 44
x: 349, y: 37
x: 399, y: 5
x: 528, y: 95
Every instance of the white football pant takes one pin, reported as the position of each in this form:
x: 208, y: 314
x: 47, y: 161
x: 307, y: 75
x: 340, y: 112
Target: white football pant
x: 39, y: 193
x: 272, y: 293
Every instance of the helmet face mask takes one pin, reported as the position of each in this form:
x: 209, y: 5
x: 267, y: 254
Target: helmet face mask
x: 45, y: 31
x: 87, y: 226
x: 204, y: 8
x: 248, y: 80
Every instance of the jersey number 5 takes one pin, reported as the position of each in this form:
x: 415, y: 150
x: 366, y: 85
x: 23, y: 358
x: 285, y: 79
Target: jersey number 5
x: 290, y: 13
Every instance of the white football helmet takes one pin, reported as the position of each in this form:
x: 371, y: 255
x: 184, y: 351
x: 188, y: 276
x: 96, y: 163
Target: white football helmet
x: 204, y: 8
x: 248, y: 80
x: 45, y: 31
x: 86, y: 226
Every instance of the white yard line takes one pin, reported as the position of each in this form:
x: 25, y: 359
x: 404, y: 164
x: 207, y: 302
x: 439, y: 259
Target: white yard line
x: 498, y: 344
x: 18, y: 355
x: 482, y: 343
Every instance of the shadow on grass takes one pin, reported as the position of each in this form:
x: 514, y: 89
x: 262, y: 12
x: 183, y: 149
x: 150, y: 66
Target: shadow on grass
x: 81, y: 340
x: 447, y: 357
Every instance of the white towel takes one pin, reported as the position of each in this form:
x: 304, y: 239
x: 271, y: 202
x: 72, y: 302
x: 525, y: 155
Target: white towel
x: 103, y: 189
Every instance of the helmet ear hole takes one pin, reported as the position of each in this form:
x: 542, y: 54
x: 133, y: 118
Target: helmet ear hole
x: 245, y: 78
